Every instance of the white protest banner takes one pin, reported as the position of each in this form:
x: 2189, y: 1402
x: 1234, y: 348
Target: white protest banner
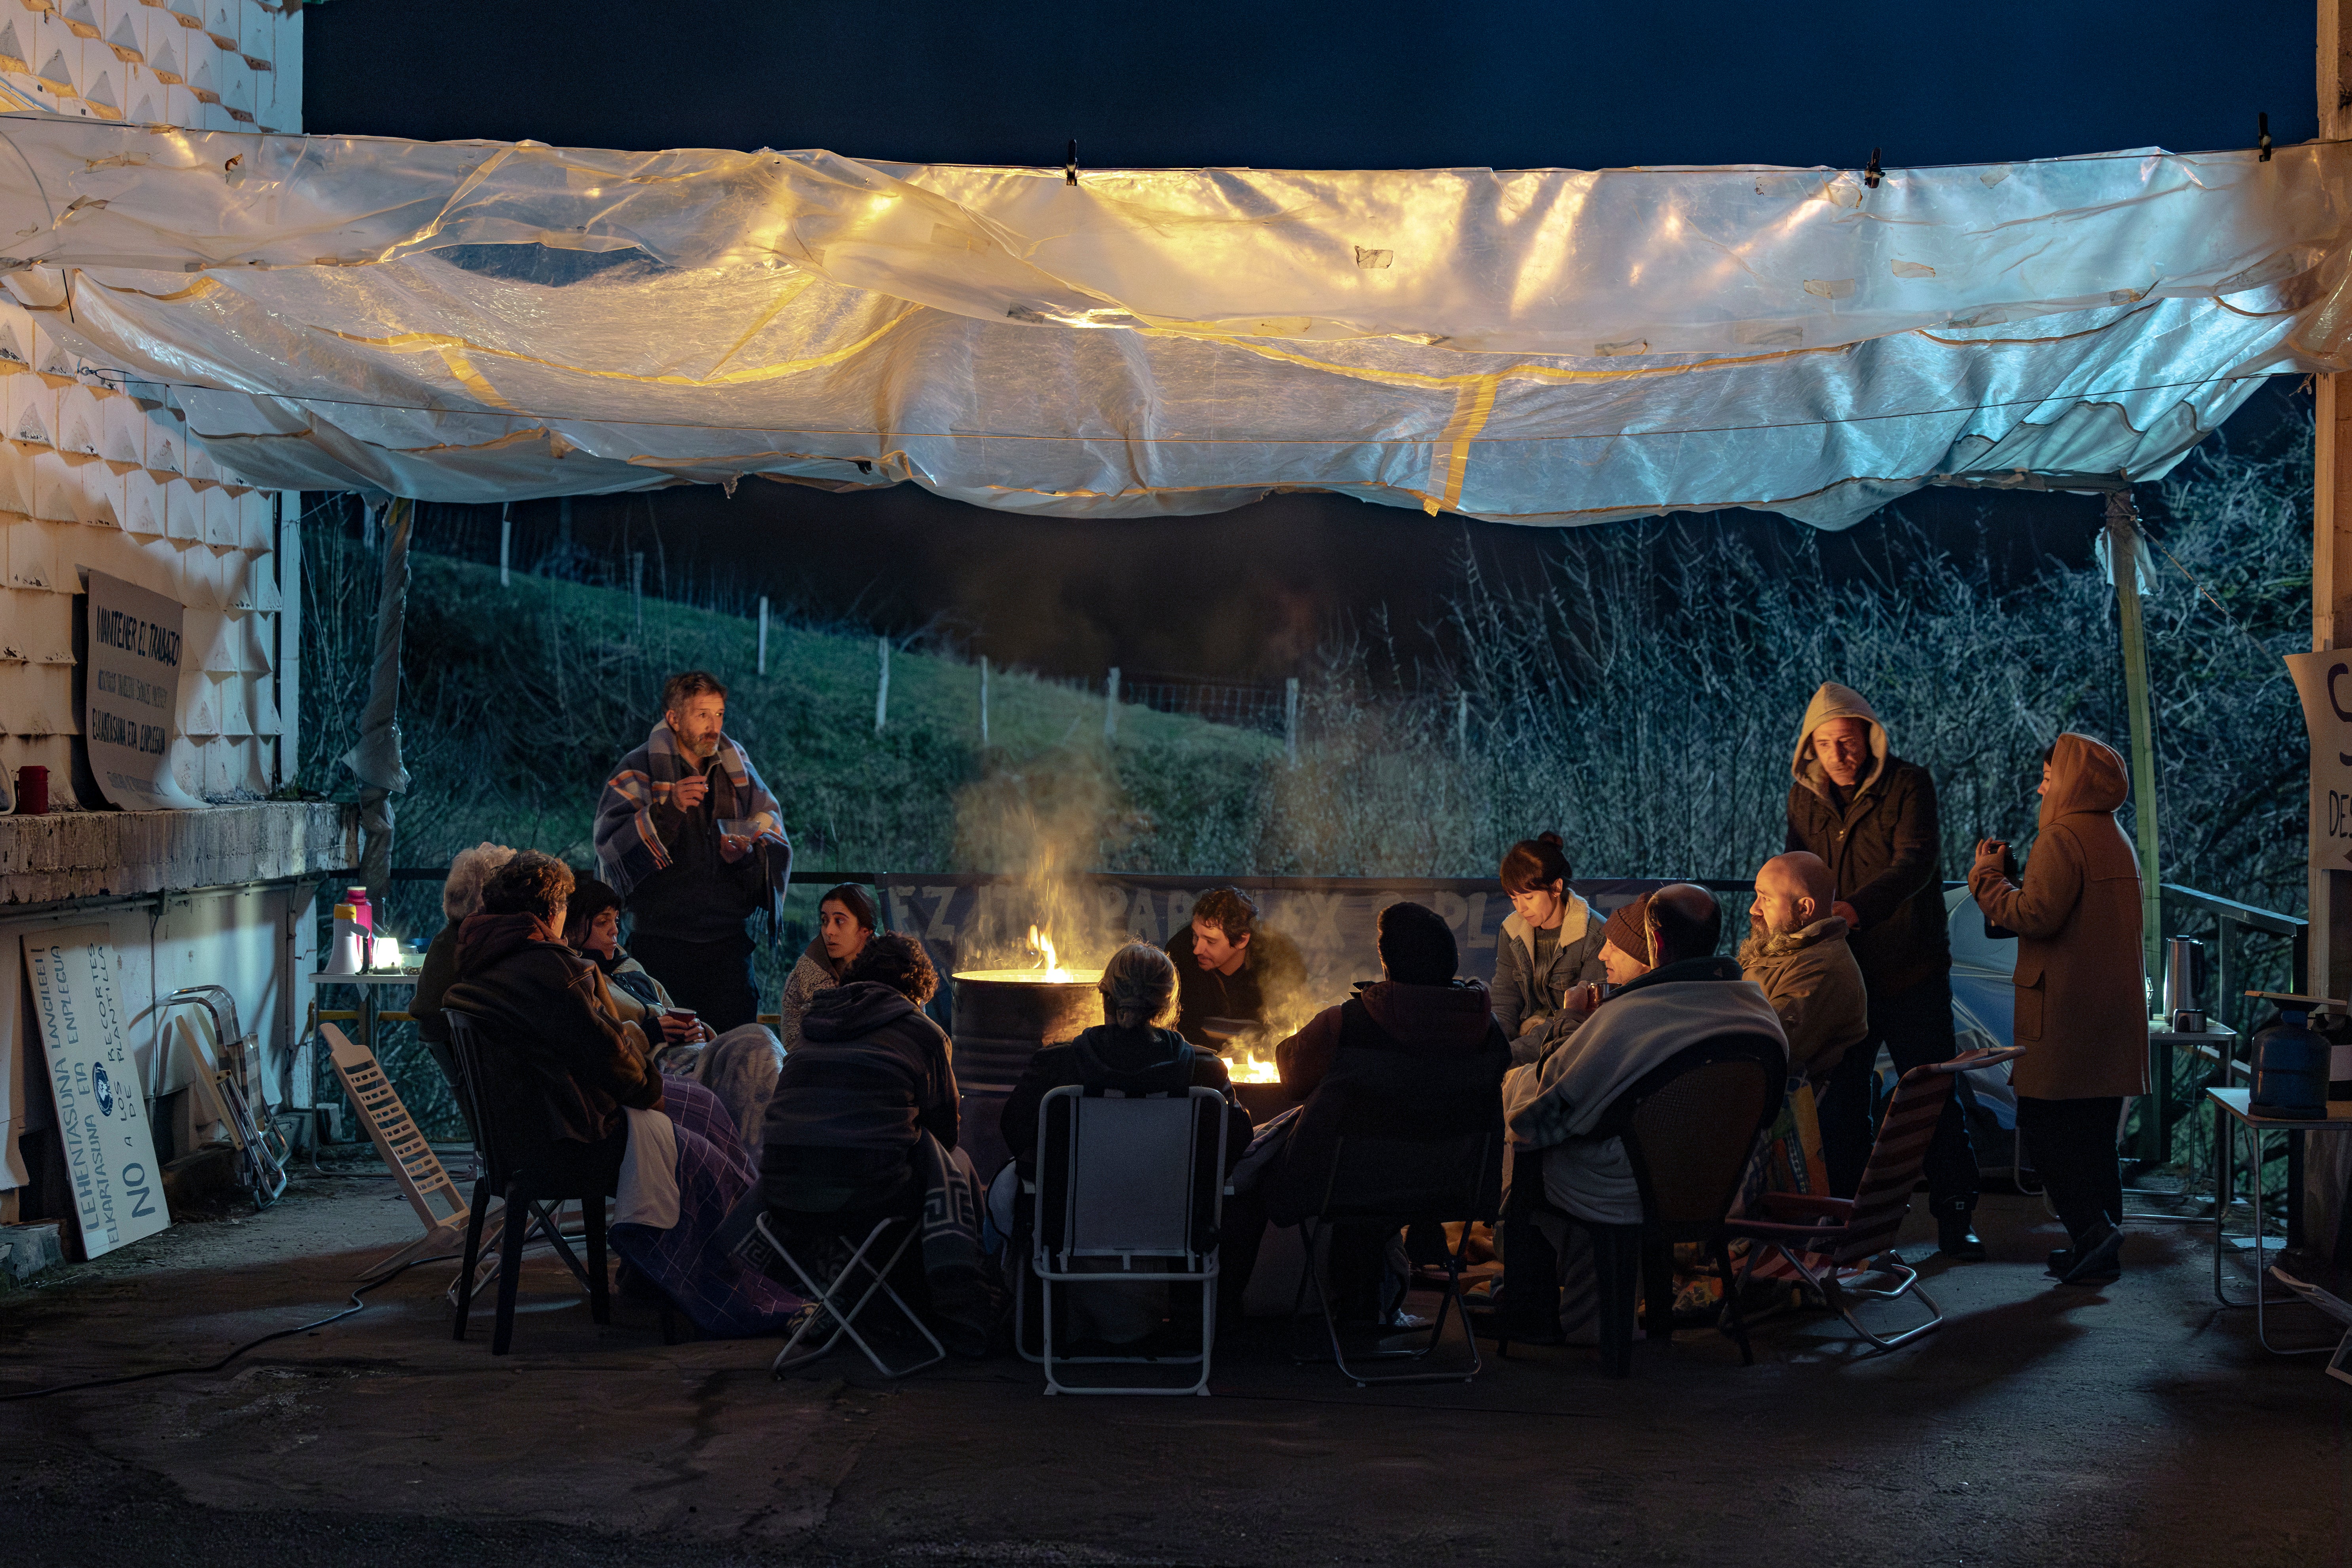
x: 2324, y: 681
x: 131, y: 705
x: 110, y: 1150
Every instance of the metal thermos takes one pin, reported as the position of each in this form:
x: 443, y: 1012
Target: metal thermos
x: 2290, y: 1063
x: 2184, y: 975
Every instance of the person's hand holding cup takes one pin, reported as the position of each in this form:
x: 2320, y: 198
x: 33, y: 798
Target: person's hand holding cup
x: 681, y: 1026
x: 688, y: 791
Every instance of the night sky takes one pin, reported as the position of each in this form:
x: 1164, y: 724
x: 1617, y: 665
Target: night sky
x: 1370, y: 85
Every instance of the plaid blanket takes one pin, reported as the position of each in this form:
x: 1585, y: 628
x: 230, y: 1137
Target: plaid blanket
x: 628, y: 848
x: 726, y: 1298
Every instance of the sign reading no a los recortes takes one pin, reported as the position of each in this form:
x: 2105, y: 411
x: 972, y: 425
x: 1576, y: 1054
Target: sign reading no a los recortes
x: 110, y: 1149
x: 132, y: 707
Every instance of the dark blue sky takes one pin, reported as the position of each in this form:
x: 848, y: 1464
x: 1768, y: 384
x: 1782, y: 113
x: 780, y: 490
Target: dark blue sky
x: 1370, y: 85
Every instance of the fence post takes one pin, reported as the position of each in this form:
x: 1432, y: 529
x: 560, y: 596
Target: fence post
x: 764, y: 634
x: 1110, y: 706
x: 881, y: 683
x: 1461, y: 724
x: 637, y: 587
x: 1290, y: 719
x: 506, y: 541
x: 983, y: 699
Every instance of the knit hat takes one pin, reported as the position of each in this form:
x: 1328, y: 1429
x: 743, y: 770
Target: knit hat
x: 1629, y: 929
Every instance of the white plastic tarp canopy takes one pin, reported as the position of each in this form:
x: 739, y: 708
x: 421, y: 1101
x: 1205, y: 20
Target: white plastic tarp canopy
x: 479, y: 321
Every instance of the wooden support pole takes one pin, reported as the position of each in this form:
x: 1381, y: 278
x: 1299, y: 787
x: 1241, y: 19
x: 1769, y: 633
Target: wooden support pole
x: 506, y: 541
x: 764, y: 634
x: 983, y: 699
x: 1111, y: 705
x: 1290, y: 720
x: 881, y: 683
x: 2318, y: 1210
x: 2123, y: 556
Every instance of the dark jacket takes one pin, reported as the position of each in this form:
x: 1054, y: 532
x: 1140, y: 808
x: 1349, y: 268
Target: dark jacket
x: 1132, y: 1061
x: 1432, y: 1058
x: 562, y: 1065
x: 433, y: 982
x: 699, y: 896
x: 1270, y: 976
x: 872, y: 1076
x: 1883, y: 844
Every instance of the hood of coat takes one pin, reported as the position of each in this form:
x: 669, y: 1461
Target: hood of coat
x: 1759, y: 950
x: 1835, y: 701
x: 1574, y: 921
x: 854, y: 1011
x: 1458, y: 1014
x: 2084, y: 775
x: 816, y: 954
x: 483, y: 940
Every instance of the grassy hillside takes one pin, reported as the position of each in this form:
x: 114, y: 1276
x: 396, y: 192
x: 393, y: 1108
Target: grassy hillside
x: 517, y: 703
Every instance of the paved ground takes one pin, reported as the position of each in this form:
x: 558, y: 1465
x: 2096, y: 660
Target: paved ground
x: 2134, y: 1425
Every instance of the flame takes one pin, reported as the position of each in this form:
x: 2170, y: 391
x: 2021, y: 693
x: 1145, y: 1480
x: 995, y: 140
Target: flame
x: 1045, y: 944
x: 1253, y: 1069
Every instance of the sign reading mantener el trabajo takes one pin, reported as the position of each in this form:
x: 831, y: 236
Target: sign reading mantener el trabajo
x: 132, y: 702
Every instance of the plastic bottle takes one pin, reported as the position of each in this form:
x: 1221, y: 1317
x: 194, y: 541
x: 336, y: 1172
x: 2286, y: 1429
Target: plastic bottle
x: 362, y: 911
x: 348, y: 954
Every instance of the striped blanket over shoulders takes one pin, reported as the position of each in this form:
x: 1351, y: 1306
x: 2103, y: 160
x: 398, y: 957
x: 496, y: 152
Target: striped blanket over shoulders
x: 629, y: 848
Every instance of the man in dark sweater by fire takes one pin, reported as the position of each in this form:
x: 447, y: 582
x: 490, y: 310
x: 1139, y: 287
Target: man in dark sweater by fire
x: 689, y: 835
x: 1228, y: 966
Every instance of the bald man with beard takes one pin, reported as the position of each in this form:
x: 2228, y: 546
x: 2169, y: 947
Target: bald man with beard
x: 1796, y: 950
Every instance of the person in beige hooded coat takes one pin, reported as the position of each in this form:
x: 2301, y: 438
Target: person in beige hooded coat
x: 2081, y: 997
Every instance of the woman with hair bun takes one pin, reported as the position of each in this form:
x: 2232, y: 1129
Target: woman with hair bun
x: 845, y: 921
x: 1549, y: 943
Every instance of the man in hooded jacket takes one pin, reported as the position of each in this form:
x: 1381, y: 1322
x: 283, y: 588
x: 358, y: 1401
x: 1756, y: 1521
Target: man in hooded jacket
x: 2081, y: 1006
x: 1871, y: 817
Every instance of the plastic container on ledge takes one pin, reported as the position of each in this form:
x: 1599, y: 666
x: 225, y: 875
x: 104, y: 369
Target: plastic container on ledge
x: 349, y: 953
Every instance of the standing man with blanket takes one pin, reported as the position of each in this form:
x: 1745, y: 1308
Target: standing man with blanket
x: 692, y: 838
x: 1871, y: 817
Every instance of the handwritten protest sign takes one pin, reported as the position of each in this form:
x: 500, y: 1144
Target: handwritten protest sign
x: 110, y: 1149
x: 132, y: 707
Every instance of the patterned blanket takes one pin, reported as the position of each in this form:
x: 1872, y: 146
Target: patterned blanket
x: 628, y: 848
x: 725, y: 1298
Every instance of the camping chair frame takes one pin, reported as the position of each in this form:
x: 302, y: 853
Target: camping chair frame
x: 825, y: 1294
x: 1476, y: 1198
x: 1092, y: 1224
x: 525, y: 1213
x: 1820, y: 1237
x: 1625, y: 1255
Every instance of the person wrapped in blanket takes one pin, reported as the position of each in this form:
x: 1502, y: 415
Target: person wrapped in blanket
x: 1671, y: 991
x: 863, y: 1127
x: 739, y: 1067
x: 845, y: 921
x: 1132, y: 1051
x: 574, y: 1086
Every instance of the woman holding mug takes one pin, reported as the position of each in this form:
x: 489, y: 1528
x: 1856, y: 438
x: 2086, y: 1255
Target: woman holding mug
x: 2082, y: 1000
x: 1550, y: 943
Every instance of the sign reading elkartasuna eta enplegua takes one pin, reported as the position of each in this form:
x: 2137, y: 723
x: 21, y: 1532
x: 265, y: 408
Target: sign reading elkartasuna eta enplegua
x: 110, y: 1148
x: 131, y: 708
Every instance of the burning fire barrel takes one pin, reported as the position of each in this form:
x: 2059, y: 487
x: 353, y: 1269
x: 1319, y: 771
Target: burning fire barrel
x: 1002, y: 1018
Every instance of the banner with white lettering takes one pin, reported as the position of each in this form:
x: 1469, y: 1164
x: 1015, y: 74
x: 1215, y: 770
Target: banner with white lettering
x: 130, y: 706
x: 110, y: 1148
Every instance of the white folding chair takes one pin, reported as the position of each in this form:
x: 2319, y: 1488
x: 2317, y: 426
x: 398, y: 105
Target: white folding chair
x: 828, y: 1293
x: 1130, y: 1181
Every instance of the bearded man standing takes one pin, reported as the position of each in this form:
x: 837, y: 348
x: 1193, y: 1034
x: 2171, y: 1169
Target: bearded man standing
x: 1870, y: 818
x: 1796, y: 950
x: 690, y: 838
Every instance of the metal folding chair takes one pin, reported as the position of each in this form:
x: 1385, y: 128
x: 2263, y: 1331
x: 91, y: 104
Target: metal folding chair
x: 828, y: 1284
x: 1127, y: 1180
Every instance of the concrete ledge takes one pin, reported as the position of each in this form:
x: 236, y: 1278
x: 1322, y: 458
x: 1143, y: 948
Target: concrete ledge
x: 117, y: 854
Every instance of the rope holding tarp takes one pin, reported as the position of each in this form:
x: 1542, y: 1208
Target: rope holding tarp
x: 375, y: 755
